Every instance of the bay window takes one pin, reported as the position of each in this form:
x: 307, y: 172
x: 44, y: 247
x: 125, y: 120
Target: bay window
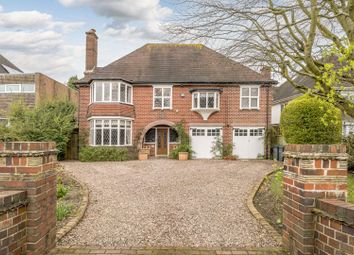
x: 249, y: 97
x: 205, y: 100
x: 111, y: 92
x: 110, y: 132
x: 162, y: 97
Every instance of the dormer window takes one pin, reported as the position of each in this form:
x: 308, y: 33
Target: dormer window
x: 111, y: 92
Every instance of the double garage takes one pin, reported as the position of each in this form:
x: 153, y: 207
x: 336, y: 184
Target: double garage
x: 248, y: 142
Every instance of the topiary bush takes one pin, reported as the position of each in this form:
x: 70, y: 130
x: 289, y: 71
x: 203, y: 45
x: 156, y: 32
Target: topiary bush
x: 310, y: 120
x: 103, y: 154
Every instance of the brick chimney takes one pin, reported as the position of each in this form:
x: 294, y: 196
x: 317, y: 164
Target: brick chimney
x: 91, y: 50
x: 266, y: 71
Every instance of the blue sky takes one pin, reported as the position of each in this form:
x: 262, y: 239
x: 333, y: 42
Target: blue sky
x: 49, y: 36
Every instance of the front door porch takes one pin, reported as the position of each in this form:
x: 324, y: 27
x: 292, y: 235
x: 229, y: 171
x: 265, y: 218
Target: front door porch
x: 160, y: 140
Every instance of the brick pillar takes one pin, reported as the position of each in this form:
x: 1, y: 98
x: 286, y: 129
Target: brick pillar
x: 29, y: 166
x: 310, y: 172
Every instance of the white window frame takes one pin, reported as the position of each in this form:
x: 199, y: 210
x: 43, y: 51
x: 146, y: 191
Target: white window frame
x: 93, y: 129
x: 162, y: 96
x: 21, y: 85
x: 216, y: 95
x: 93, y: 93
x: 250, y: 97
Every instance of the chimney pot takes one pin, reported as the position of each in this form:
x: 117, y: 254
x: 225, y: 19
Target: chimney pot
x: 91, y: 50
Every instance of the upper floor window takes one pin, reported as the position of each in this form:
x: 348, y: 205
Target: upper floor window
x: 205, y: 100
x: 162, y: 97
x: 111, y: 92
x: 249, y: 97
x: 17, y: 88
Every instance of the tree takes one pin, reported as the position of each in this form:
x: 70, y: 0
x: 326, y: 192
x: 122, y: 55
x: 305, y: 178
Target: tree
x: 71, y: 81
x: 294, y: 37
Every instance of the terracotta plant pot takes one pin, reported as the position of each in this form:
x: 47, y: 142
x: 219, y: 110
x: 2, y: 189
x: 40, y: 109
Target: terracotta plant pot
x: 183, y: 156
x: 143, y: 155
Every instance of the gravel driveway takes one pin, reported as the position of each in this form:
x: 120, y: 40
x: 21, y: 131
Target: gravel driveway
x: 196, y: 203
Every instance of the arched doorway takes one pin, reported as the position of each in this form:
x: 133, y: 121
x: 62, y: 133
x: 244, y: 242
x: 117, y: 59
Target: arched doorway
x: 160, y: 138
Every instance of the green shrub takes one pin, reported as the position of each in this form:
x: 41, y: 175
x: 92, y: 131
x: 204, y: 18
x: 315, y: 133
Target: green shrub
x: 310, y: 120
x: 50, y: 121
x: 62, y: 190
x: 103, y: 154
x: 184, y: 139
x: 349, y: 141
x: 220, y: 149
x: 63, y: 210
x: 276, y: 184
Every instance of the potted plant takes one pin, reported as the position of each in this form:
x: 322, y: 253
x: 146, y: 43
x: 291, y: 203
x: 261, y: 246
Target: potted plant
x: 183, y: 153
x: 184, y: 150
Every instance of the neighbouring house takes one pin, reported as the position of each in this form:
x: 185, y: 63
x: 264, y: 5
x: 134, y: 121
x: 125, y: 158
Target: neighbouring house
x: 137, y: 100
x: 284, y: 93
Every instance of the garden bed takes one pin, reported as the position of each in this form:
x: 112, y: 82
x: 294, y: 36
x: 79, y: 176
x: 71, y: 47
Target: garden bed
x: 68, y: 198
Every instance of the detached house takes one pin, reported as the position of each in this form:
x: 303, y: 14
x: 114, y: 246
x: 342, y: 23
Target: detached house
x: 137, y: 99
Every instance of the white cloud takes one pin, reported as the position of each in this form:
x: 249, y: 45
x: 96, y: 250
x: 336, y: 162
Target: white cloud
x: 139, y: 17
x: 34, y: 20
x: 1, y: 8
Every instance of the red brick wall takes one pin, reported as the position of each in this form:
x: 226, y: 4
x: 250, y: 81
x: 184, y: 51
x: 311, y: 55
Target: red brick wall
x: 334, y: 227
x: 230, y: 114
x: 30, y: 166
x: 13, y: 217
x: 311, y: 172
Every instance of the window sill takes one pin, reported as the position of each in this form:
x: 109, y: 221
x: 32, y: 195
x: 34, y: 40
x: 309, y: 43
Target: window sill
x: 250, y: 109
x: 111, y: 145
x: 162, y: 109
x: 111, y: 103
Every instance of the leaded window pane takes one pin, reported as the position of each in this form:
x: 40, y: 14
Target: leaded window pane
x: 211, y: 100
x: 245, y: 92
x: 245, y: 102
x: 122, y: 93
x: 107, y: 91
x: 114, y: 136
x: 129, y: 94
x: 98, y: 123
x: 158, y: 92
x: 127, y: 136
x: 166, y: 102
x: 158, y: 102
x: 98, y: 137
x: 173, y: 135
x: 166, y: 92
x: 115, y: 88
x: 106, y: 136
x: 217, y: 101
x: 195, y: 100
x: 150, y: 136
x: 122, y: 136
x: 202, y: 100
x: 254, y: 102
x: 254, y: 92
x: 98, y: 88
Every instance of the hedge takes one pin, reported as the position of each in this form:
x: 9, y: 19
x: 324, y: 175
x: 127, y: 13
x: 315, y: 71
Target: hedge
x: 103, y: 154
x: 310, y: 120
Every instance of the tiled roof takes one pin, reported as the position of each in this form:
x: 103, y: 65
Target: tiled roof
x: 6, y: 66
x: 177, y: 63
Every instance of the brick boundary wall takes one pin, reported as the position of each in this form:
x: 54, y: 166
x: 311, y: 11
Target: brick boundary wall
x: 13, y: 218
x: 311, y: 173
x: 30, y: 167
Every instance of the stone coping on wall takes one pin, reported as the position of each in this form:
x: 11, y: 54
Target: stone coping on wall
x: 10, y: 199
x: 336, y: 209
x: 316, y: 151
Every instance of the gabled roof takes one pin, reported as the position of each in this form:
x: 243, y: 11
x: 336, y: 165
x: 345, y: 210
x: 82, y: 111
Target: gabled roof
x: 177, y: 63
x: 7, y: 67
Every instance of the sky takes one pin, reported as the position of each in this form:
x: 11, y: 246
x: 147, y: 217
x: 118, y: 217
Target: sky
x: 48, y: 36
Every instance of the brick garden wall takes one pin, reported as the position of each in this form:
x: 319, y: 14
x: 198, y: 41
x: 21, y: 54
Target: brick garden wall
x: 30, y: 167
x: 13, y: 217
x: 312, y: 223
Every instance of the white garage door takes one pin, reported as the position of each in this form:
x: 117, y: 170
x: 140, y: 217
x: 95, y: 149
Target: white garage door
x: 248, y: 142
x: 202, y: 140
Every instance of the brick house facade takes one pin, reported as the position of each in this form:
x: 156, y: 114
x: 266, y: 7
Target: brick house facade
x: 136, y: 100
